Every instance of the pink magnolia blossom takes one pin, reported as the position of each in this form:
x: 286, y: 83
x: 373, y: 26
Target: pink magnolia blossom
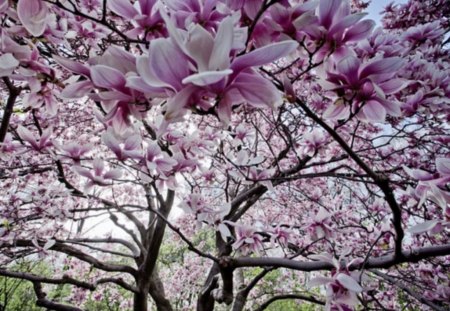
x: 367, y: 86
x: 247, y: 240
x: 342, y: 288
x: 97, y: 175
x: 39, y: 144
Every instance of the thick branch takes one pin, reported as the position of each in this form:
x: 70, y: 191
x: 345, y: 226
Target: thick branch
x: 71, y: 251
x: 13, y: 93
x: 387, y: 261
x: 37, y: 278
x: 50, y: 305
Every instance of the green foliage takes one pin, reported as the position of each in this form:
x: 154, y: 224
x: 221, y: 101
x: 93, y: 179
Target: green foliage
x: 18, y: 295
x: 291, y: 305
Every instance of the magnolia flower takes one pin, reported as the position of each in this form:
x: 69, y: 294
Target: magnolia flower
x: 157, y: 161
x: 312, y: 141
x: 198, y: 63
x: 130, y: 148
x: 430, y: 187
x: 280, y: 235
x: 97, y: 175
x: 321, y: 225
x: 142, y: 14
x: 365, y: 87
x: 341, y: 288
x: 43, y: 250
x: 38, y: 144
x: 247, y: 240
x: 74, y: 150
x: 8, y: 147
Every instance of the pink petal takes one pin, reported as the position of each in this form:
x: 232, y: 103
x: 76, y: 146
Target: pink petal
x: 113, y: 174
x: 107, y: 77
x: 122, y: 8
x: 26, y: 135
x: 359, y: 31
x: 337, y: 110
x: 112, y: 143
x: 7, y: 64
x: 33, y: 15
x: 374, y: 111
x: 220, y: 55
x: 132, y: 142
x: 72, y: 66
x: 393, y: 86
x: 146, y: 72
x: 264, y: 55
x: 77, y: 90
x: 138, y: 84
x: 423, y: 227
x: 381, y: 66
x: 349, y: 68
x: 167, y: 62
x: 326, y: 12
x: 207, y: 77
x: 349, y: 283
x: 146, y: 6
x: 345, y: 23
x: 200, y: 47
x: 82, y: 171
x: 443, y: 166
x: 257, y: 91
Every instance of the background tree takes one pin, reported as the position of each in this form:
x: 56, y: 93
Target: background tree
x: 308, y: 151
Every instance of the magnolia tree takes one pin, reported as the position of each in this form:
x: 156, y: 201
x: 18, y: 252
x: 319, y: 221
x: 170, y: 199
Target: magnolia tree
x: 307, y: 149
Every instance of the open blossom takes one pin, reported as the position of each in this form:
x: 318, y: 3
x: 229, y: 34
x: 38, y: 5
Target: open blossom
x: 143, y: 15
x: 180, y: 66
x: 43, y: 250
x: 97, y: 175
x: 431, y: 187
x: 74, y: 150
x: 366, y: 86
x: 320, y: 227
x: 341, y: 288
x: 281, y: 235
x: 8, y: 147
x: 129, y: 148
x: 158, y: 162
x: 312, y: 141
x: 247, y: 240
x: 39, y: 144
x: 204, y: 213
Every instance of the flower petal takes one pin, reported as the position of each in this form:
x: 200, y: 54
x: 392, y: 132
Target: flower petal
x: 107, y: 77
x: 264, y: 55
x: 122, y: 8
x: 349, y: 283
x: 220, y: 55
x: 33, y: 15
x: 423, y: 227
x: 381, y: 66
x: 207, y: 77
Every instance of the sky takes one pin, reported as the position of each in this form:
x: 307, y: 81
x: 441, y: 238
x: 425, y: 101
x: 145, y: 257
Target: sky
x: 376, y: 6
